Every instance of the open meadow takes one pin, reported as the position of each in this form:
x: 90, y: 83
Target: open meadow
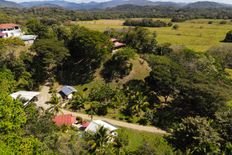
x: 196, y: 34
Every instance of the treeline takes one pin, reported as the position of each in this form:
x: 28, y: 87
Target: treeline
x: 126, y: 11
x: 147, y: 23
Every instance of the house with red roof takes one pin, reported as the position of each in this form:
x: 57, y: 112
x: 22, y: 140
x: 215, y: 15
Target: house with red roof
x: 66, y: 119
x: 117, y: 44
x: 10, y: 30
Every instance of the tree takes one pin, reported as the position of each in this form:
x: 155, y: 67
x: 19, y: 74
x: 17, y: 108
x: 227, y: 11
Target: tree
x: 35, y: 27
x: 198, y: 100
x: 12, y: 115
x: 50, y: 54
x: 228, y: 37
x: 99, y: 141
x: 196, y: 136
x: 88, y: 50
x: 78, y: 101
x: 140, y: 39
x: 165, y: 76
x: 118, y: 66
x: 7, y: 81
x: 137, y: 103
x: 224, y: 123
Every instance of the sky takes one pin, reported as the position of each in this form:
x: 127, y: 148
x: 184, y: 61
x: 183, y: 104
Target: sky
x: 185, y: 1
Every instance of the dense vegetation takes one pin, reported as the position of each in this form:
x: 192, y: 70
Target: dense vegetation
x: 186, y: 93
x: 146, y: 23
x: 58, y: 15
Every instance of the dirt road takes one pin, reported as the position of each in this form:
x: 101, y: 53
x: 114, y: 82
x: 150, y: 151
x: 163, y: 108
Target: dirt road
x: 45, y: 97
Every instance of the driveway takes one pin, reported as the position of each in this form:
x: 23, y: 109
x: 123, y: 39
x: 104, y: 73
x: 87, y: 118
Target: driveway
x: 45, y: 96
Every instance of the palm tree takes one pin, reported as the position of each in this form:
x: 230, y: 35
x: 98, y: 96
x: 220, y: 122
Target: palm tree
x: 55, y: 105
x: 99, y: 141
x: 78, y: 101
x: 55, y: 109
x: 139, y: 103
x: 55, y: 99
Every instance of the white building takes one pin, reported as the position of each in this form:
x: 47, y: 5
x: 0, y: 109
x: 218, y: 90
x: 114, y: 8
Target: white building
x: 96, y: 124
x: 10, y: 30
x: 25, y: 96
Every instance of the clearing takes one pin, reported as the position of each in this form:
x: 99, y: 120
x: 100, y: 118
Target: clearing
x: 195, y: 34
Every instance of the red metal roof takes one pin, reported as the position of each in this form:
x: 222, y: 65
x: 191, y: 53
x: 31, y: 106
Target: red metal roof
x: 113, y: 39
x: 118, y: 44
x: 64, y: 120
x: 85, y: 124
x: 8, y: 26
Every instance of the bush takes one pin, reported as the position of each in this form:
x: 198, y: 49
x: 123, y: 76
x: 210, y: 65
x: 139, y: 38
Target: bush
x: 147, y: 23
x: 175, y: 27
x: 228, y: 37
x: 210, y: 22
x: 223, y: 22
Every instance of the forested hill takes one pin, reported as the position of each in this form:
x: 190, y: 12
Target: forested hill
x: 120, y: 12
x: 4, y: 3
x: 110, y: 4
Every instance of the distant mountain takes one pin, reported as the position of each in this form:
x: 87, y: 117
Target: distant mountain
x: 95, y: 5
x: 206, y: 5
x: 9, y: 4
x: 115, y: 3
x: 51, y: 3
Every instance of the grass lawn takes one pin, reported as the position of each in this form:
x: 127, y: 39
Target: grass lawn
x: 194, y: 34
x: 136, y: 138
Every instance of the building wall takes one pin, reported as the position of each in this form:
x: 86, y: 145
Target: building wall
x: 12, y: 33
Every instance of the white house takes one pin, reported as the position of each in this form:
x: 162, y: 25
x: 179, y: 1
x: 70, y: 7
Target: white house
x: 25, y: 96
x: 96, y: 124
x: 10, y: 30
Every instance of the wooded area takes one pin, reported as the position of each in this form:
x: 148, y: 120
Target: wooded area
x: 186, y: 93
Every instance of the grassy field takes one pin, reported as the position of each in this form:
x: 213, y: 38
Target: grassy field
x: 137, y: 138
x: 194, y: 34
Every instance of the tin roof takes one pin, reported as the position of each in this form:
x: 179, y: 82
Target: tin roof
x: 67, y: 90
x: 67, y: 119
x: 96, y: 124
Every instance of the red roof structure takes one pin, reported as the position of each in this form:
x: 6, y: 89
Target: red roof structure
x: 64, y: 120
x: 118, y: 44
x: 8, y: 26
x: 113, y: 39
x: 85, y: 124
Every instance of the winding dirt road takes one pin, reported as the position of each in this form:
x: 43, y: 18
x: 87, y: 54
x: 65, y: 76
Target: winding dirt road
x: 44, y: 97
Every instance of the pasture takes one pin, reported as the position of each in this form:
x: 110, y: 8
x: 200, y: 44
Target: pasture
x: 195, y: 34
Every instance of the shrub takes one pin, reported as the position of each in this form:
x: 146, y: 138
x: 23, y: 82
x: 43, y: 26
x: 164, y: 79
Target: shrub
x: 223, y: 22
x: 228, y: 37
x: 147, y: 23
x: 175, y: 27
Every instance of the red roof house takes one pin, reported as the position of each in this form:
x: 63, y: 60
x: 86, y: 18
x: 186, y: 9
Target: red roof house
x: 67, y: 119
x: 8, y: 26
x: 85, y: 124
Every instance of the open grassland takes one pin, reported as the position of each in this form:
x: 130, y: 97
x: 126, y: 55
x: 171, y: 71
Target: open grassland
x: 137, y: 138
x: 194, y: 34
